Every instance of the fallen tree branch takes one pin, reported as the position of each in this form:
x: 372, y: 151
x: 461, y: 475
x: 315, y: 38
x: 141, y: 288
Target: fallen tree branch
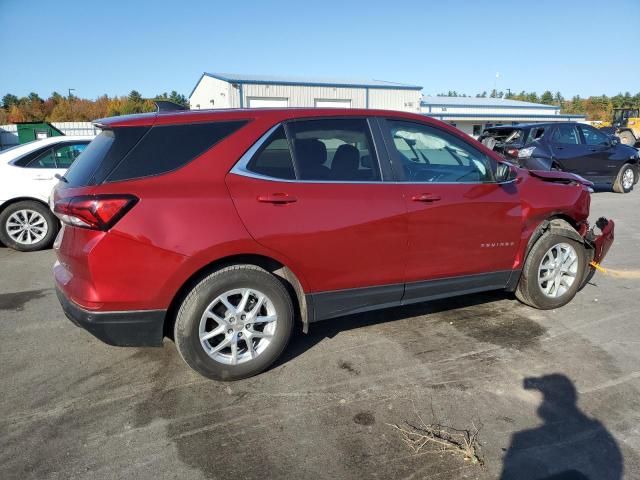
x: 445, y: 438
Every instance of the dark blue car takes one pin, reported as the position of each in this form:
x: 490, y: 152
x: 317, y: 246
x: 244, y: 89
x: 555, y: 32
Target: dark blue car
x: 567, y: 146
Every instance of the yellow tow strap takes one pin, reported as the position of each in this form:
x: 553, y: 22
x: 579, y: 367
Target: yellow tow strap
x: 616, y: 273
x: 598, y: 267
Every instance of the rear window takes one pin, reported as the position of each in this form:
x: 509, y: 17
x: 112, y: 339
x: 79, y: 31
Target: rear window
x: 168, y: 147
x: 102, y: 154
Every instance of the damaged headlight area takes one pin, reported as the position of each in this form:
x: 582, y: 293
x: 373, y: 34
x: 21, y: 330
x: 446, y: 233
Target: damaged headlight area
x: 526, y: 152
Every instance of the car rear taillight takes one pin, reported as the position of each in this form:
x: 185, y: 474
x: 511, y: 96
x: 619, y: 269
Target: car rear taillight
x: 96, y: 212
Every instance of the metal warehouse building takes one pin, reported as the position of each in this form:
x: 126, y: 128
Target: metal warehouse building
x: 226, y: 90
x: 472, y: 114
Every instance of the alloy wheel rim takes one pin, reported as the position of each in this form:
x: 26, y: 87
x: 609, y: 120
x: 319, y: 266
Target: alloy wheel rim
x: 558, y: 270
x: 26, y: 227
x: 238, y: 326
x: 627, y: 179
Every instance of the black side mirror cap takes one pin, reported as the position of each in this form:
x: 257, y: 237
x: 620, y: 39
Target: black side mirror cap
x: 505, y: 172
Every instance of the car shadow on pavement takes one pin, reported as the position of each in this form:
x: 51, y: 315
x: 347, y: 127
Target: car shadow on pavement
x: 568, y: 445
x: 301, y: 342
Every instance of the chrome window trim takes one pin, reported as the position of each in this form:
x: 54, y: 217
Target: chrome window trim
x: 240, y: 168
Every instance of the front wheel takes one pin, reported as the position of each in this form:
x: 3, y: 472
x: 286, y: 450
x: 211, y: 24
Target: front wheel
x: 625, y: 180
x: 234, y: 323
x: 552, y: 273
x: 28, y: 226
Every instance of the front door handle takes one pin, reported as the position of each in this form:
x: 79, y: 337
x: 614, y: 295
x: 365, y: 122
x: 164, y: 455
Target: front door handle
x: 43, y: 177
x: 426, y: 197
x: 277, y: 198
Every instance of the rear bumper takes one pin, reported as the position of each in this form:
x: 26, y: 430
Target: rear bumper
x: 142, y: 328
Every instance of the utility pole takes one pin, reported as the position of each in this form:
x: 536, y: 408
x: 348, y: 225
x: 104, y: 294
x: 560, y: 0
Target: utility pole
x: 70, y: 90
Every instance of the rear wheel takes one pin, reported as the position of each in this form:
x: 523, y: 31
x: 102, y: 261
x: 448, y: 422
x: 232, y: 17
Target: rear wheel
x: 627, y: 138
x: 28, y: 226
x: 235, y: 323
x: 625, y: 180
x: 552, y: 273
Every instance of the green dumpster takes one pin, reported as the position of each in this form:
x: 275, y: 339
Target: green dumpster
x: 29, y: 131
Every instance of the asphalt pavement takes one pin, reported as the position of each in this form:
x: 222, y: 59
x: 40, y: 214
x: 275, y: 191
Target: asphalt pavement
x: 552, y: 393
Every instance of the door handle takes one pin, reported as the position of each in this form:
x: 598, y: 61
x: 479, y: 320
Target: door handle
x: 43, y: 177
x: 277, y: 198
x: 426, y: 197
x: 559, y: 148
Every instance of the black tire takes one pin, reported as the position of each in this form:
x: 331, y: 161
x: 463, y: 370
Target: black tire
x: 52, y: 226
x: 186, y: 333
x: 529, y: 290
x: 619, y: 184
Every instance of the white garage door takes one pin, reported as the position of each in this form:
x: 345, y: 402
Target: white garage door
x: 320, y: 103
x: 266, y: 102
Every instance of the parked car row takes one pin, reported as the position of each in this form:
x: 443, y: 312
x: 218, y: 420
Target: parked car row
x: 234, y: 225
x: 27, y: 176
x: 570, y: 147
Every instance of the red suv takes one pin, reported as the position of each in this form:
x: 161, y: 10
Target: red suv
x: 222, y: 229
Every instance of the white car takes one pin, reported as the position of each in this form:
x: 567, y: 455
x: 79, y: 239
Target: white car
x: 27, y: 176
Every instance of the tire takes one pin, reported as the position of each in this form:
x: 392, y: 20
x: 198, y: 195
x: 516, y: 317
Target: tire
x: 39, y: 218
x: 625, y: 180
x: 530, y: 291
x: 627, y: 138
x: 191, y: 323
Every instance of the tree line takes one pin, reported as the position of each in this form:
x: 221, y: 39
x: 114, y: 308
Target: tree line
x: 594, y: 107
x: 58, y: 108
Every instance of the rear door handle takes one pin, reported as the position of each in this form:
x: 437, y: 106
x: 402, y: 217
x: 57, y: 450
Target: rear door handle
x: 426, y: 197
x: 277, y: 198
x: 43, y: 177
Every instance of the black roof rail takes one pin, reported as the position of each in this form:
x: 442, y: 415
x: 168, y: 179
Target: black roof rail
x: 166, y: 106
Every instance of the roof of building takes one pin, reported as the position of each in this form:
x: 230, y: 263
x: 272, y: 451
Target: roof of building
x: 452, y: 116
x: 480, y: 102
x: 305, y: 81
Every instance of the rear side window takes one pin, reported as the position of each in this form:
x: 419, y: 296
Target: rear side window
x: 65, y: 155
x: 102, y: 154
x: 168, y: 147
x: 274, y: 159
x: 334, y: 150
x: 566, y: 135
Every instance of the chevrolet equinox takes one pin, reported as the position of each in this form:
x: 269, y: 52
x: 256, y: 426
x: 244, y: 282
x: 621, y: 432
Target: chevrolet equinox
x: 221, y: 229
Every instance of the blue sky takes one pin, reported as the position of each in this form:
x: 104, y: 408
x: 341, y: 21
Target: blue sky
x: 115, y: 46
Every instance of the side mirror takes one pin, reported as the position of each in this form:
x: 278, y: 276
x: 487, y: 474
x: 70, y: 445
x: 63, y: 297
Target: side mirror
x: 505, y: 172
x: 614, y: 140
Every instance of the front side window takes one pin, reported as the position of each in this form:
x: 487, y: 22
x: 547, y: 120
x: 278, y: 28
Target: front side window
x: 566, y: 135
x: 593, y: 136
x: 427, y: 154
x: 334, y: 150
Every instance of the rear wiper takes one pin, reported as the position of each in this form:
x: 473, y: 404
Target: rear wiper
x: 62, y: 178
